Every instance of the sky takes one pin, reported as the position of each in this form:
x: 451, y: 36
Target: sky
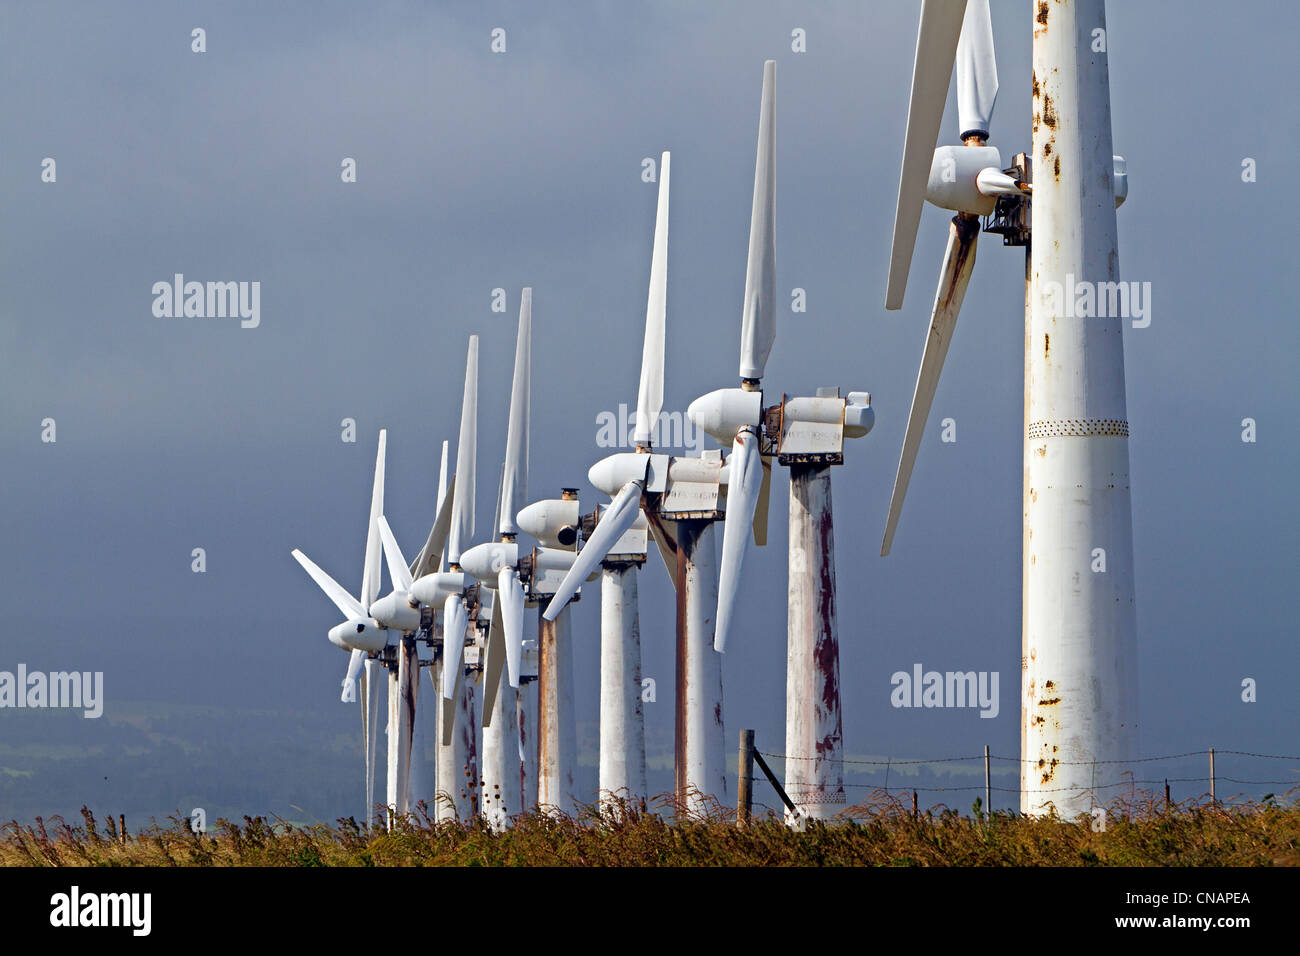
x: 479, y: 170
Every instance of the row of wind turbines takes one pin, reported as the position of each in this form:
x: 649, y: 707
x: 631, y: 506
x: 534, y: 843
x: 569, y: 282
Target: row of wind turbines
x: 505, y: 693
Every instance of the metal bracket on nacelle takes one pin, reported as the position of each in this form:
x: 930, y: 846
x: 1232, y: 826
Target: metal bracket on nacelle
x: 1011, y: 214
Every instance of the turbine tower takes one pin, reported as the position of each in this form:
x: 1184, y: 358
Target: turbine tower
x: 807, y: 435
x: 1078, y: 639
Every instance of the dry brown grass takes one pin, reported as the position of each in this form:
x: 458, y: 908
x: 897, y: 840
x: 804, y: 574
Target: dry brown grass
x: 881, y: 832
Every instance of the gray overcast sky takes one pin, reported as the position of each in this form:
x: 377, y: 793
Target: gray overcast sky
x: 479, y: 170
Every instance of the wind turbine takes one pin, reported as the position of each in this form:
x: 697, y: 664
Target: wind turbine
x: 449, y: 590
x: 617, y: 542
x: 431, y: 557
x: 1079, y: 642
x: 496, y: 566
x: 680, y: 497
x: 554, y: 523
x: 360, y: 633
x: 807, y: 435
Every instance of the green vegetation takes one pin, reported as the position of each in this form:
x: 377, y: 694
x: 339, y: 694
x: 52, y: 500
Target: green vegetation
x: 885, y: 833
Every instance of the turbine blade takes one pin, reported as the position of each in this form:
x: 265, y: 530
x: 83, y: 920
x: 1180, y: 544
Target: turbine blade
x: 650, y: 393
x: 344, y: 601
x: 614, y: 523
x: 455, y: 619
x: 430, y: 558
x: 397, y: 569
x: 355, y: 663
x: 936, y: 47
x: 758, y: 320
x: 743, y: 488
x: 462, y: 524
x: 494, y: 659
x: 977, y: 70
x: 444, y: 489
x: 514, y: 482
x: 958, y: 261
x: 451, y: 704
x: 370, y: 575
x: 510, y: 597
x: 764, y: 495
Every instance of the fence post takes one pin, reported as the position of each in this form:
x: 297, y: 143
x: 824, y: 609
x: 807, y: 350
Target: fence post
x: 1213, y: 799
x: 1166, y: 795
x: 988, y: 788
x: 745, y: 787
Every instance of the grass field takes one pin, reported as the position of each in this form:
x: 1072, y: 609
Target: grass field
x: 882, y: 833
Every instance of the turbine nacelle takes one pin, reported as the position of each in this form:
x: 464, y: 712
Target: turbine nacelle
x: 611, y: 474
x: 552, y: 521
x: 396, y: 611
x: 549, y: 567
x: 359, y: 634
x: 434, y: 589
x: 485, y: 561
x: 968, y: 179
x: 722, y: 413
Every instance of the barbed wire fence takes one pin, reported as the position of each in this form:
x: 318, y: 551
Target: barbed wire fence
x: 1002, y: 765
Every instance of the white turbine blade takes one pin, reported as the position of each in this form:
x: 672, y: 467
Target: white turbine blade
x: 510, y: 599
x: 345, y: 602
x: 444, y: 489
x: 613, y: 524
x: 758, y: 320
x: 958, y: 261
x: 501, y: 490
x: 514, y: 484
x: 760, y: 513
x: 977, y: 70
x: 431, y: 555
x: 355, y: 663
x: 462, y: 522
x: 936, y: 46
x: 451, y: 704
x: 744, y: 484
x: 371, y: 573
x: 397, y: 568
x: 494, y: 659
x: 650, y: 393
x: 455, y: 619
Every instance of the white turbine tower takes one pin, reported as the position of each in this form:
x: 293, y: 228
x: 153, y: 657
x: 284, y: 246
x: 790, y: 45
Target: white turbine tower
x: 1079, y: 643
x: 680, y: 498
x: 360, y: 633
x: 807, y: 435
